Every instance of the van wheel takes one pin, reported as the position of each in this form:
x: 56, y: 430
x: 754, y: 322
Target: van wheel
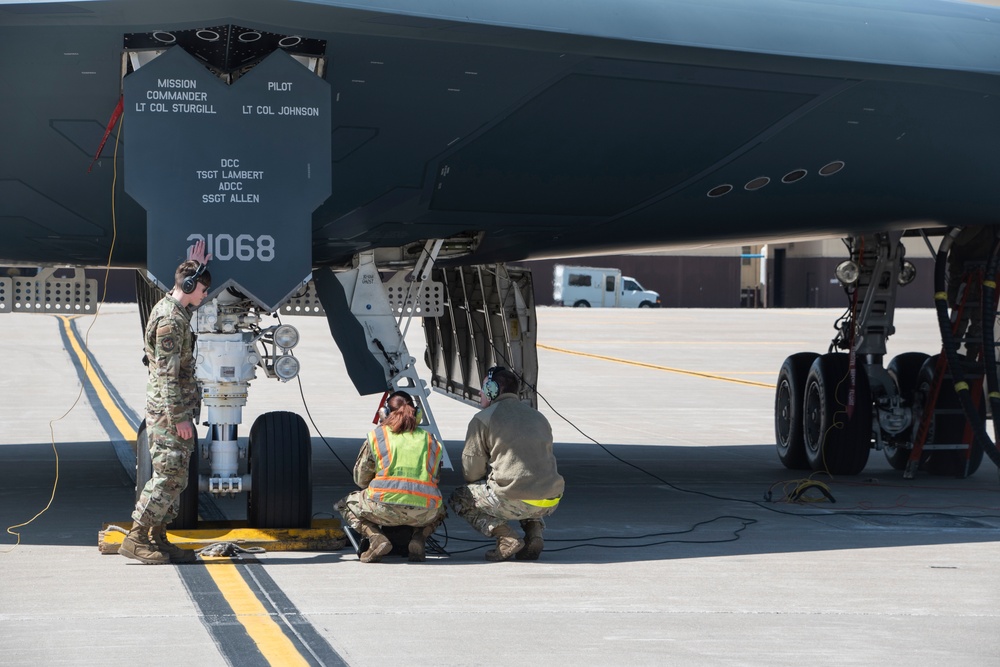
x: 645, y: 304
x: 581, y: 304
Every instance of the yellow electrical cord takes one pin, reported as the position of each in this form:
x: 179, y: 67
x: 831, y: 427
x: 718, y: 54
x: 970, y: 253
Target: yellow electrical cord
x: 107, y: 274
x: 834, y: 423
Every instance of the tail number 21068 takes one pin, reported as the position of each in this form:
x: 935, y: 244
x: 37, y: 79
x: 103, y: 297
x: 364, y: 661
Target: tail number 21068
x: 244, y: 247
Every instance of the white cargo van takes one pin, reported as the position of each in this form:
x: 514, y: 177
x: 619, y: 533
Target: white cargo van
x: 589, y: 287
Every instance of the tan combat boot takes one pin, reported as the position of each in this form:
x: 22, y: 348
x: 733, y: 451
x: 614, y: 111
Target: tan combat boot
x: 138, y: 546
x: 508, y: 544
x: 416, y: 547
x: 533, y: 543
x: 176, y: 555
x: 378, y: 544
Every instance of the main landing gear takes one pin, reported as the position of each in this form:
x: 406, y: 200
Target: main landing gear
x: 924, y: 412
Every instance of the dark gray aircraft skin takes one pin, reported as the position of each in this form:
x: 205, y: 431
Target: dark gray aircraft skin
x: 553, y: 128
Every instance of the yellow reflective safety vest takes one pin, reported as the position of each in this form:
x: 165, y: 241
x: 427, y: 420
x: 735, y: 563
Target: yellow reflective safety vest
x: 407, y: 468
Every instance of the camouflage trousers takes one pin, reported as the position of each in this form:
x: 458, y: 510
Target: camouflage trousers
x: 357, y: 507
x: 171, y: 456
x: 481, y: 507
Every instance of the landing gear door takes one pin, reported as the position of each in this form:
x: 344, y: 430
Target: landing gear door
x: 241, y: 167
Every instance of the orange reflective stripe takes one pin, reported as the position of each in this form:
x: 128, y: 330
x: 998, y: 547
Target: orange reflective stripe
x: 397, y: 481
x: 434, y: 449
x: 380, y: 486
x: 433, y: 500
x: 403, y: 481
x: 376, y: 451
x: 402, y: 484
x: 381, y: 448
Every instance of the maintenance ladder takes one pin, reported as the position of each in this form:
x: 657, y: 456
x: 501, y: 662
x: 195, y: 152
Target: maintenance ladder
x: 967, y: 310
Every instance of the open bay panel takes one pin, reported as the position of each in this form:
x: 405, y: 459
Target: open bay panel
x: 242, y: 167
x: 488, y: 320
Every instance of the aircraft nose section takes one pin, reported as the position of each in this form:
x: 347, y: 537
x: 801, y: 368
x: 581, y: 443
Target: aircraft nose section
x: 241, y: 167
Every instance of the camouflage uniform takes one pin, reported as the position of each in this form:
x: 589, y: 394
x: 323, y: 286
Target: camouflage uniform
x: 172, y: 398
x: 357, y: 506
x: 485, y: 510
x: 509, y: 466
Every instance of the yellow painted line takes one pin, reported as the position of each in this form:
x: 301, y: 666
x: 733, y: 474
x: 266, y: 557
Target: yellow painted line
x: 265, y: 633
x: 741, y: 343
x: 124, y: 427
x: 276, y: 648
x: 323, y: 535
x: 767, y: 373
x: 680, y: 371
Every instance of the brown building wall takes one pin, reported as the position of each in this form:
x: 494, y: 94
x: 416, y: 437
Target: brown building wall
x: 714, y: 282
x: 809, y: 283
x: 682, y: 282
x: 121, y: 284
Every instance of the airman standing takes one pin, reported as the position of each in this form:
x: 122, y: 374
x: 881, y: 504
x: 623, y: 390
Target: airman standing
x: 172, y: 399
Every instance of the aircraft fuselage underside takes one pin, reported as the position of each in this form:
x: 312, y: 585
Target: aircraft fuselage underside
x: 545, y: 144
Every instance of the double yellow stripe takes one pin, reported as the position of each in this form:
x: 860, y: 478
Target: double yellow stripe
x: 121, y: 423
x: 276, y: 648
x: 265, y: 633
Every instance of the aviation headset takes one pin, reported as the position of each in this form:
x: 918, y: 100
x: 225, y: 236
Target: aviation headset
x: 490, y: 386
x: 192, y: 281
x: 386, y: 409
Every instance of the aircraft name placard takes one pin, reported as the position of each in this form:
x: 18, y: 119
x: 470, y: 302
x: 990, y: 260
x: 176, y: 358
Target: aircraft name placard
x: 241, y: 167
x: 231, y: 181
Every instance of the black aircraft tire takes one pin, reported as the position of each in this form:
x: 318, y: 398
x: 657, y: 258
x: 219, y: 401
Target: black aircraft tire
x: 835, y: 442
x: 280, y: 472
x: 947, y: 429
x: 187, y: 515
x: 788, y: 416
x: 904, y: 369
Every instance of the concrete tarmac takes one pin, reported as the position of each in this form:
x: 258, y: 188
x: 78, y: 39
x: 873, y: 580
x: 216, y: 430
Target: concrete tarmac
x: 664, y: 550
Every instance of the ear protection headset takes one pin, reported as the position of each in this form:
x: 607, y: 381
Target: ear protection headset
x: 386, y: 409
x: 192, y: 281
x: 490, y: 386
